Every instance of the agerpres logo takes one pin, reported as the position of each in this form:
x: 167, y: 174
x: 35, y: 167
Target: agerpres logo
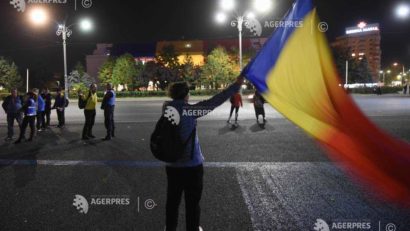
x: 172, y: 115
x: 82, y: 205
x: 322, y: 225
x: 20, y: 5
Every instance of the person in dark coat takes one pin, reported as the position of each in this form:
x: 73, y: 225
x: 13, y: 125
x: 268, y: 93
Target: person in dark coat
x: 12, y: 105
x: 60, y: 103
x: 30, y: 112
x: 47, y: 112
x: 258, y: 102
x: 108, y: 105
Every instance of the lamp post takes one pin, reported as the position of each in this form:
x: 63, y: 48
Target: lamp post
x: 39, y: 17
x: 65, y: 32
x: 246, y: 19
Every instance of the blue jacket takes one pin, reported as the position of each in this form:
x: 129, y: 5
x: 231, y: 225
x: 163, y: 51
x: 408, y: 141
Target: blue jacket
x: 41, y: 104
x: 11, y: 106
x: 188, y: 114
x: 30, y: 108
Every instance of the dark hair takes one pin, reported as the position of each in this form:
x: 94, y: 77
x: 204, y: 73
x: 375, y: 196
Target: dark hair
x: 178, y: 90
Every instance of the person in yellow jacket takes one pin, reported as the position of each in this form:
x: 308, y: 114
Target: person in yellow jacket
x: 89, y: 111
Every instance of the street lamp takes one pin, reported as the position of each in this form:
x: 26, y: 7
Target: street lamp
x: 39, y: 16
x: 403, y: 11
x: 246, y: 19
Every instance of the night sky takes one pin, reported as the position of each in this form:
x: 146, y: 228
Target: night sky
x: 146, y: 21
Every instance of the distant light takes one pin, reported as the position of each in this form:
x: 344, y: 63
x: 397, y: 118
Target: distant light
x: 361, y: 54
x: 381, y: 72
x: 362, y: 25
x: 262, y: 5
x: 188, y: 45
x: 227, y: 5
x: 86, y: 25
x: 220, y: 17
x: 353, y: 54
x: 403, y: 11
x: 250, y: 15
x: 388, y: 71
x: 395, y: 64
x: 38, y: 16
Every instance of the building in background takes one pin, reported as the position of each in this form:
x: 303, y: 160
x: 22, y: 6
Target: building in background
x: 96, y: 60
x: 363, y: 40
x: 145, y: 52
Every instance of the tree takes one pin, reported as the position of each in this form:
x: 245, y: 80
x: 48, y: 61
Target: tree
x: 359, y: 71
x: 124, y: 71
x: 9, y: 75
x: 106, y: 70
x: 190, y: 72
x: 219, y: 69
x: 78, y: 79
x: 168, y: 57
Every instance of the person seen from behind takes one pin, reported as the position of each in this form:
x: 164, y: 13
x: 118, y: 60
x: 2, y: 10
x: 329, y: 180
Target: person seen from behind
x: 185, y: 176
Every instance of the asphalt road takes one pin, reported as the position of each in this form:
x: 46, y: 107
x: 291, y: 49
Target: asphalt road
x: 275, y: 178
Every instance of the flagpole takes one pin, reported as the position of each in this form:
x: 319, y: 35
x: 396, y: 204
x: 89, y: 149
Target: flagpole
x: 347, y: 73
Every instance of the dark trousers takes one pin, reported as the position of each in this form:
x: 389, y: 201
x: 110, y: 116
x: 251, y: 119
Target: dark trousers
x: 236, y: 112
x: 47, y: 114
x: 41, y: 121
x: 27, y: 121
x: 189, y: 181
x: 89, y: 122
x: 109, y: 120
x: 60, y: 117
x: 10, y: 123
x: 259, y: 110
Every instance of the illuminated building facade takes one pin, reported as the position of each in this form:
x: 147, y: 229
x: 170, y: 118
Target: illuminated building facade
x: 363, y: 40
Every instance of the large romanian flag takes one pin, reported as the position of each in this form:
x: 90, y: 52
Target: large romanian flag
x: 296, y: 74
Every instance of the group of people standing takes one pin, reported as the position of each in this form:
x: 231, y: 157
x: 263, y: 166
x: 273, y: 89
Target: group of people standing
x: 34, y: 111
x: 236, y: 103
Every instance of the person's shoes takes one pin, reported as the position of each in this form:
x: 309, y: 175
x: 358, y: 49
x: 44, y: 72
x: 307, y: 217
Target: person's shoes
x: 8, y: 139
x: 40, y: 130
x: 30, y: 140
x: 113, y: 135
x: 17, y: 141
x: 106, y: 138
x: 228, y: 121
x: 91, y: 136
x: 85, y: 138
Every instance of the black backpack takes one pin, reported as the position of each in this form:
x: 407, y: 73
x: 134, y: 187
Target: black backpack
x: 166, y: 143
x: 82, y: 103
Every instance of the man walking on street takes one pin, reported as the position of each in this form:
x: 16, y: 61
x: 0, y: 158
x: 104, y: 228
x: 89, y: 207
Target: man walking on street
x: 12, y: 105
x: 108, y: 105
x: 89, y: 112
